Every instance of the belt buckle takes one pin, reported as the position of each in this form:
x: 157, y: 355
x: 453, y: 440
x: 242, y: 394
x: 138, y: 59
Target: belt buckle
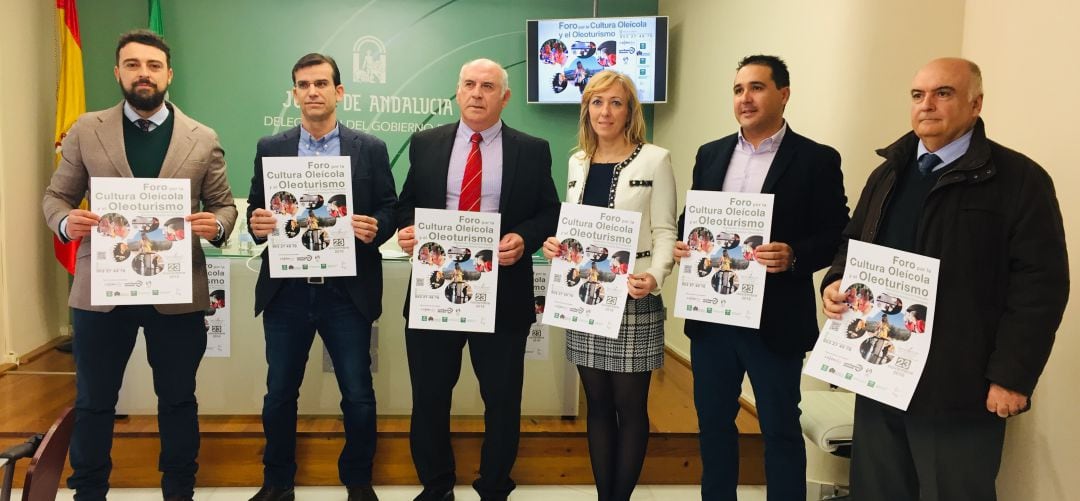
x: 316, y: 280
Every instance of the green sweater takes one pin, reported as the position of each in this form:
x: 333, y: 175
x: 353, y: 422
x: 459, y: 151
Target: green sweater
x: 146, y: 150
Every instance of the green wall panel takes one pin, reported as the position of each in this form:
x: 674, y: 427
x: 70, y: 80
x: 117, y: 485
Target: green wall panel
x: 232, y: 62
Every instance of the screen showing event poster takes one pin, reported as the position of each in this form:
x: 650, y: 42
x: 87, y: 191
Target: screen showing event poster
x: 563, y: 54
x: 310, y: 196
x: 217, y: 315
x: 140, y: 250
x: 587, y: 285
x: 537, y: 347
x: 878, y: 348
x: 455, y: 271
x: 721, y: 282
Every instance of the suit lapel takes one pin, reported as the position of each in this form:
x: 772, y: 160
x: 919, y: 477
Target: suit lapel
x: 290, y: 147
x: 442, y: 148
x: 180, y: 145
x: 781, y: 161
x: 509, y: 166
x: 719, y: 168
x: 111, y: 136
x: 350, y: 147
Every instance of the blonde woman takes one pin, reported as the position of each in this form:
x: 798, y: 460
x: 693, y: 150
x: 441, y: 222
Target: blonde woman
x: 614, y: 167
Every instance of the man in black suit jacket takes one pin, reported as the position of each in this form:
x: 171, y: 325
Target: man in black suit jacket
x: 809, y: 213
x: 516, y: 182
x: 341, y: 309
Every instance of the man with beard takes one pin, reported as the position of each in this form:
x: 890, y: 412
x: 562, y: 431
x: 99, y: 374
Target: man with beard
x: 146, y: 137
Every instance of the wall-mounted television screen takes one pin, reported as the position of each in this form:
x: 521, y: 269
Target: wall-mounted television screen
x: 564, y: 54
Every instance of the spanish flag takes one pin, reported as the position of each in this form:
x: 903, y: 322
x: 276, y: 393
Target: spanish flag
x: 70, y: 99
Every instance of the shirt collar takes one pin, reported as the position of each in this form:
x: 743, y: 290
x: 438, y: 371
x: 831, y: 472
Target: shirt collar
x: 488, y: 134
x: 950, y: 152
x: 157, y: 118
x: 770, y: 144
x: 307, y: 138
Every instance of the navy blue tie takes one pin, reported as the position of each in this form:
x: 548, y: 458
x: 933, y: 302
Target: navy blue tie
x: 927, y: 162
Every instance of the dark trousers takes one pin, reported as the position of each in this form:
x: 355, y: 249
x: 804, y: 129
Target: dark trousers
x: 434, y: 366
x: 720, y: 359
x: 290, y: 322
x: 897, y: 456
x: 174, y: 348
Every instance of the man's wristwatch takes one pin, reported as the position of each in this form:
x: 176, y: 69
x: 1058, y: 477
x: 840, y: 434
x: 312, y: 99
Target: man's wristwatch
x: 221, y: 232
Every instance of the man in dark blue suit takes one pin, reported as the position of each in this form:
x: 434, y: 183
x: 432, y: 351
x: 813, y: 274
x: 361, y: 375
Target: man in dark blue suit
x: 809, y: 213
x: 514, y: 180
x: 340, y: 309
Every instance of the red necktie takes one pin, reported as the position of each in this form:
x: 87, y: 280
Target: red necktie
x: 470, y: 183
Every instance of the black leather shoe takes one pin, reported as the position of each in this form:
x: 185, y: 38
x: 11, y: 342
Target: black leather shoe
x: 361, y: 493
x: 178, y: 498
x: 268, y: 493
x: 433, y: 495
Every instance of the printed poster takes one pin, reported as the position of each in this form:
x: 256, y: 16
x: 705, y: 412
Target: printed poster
x: 218, y: 342
x: 455, y: 274
x: 587, y: 286
x: 311, y: 197
x: 140, y: 250
x: 538, y: 346
x: 879, y: 348
x: 721, y: 282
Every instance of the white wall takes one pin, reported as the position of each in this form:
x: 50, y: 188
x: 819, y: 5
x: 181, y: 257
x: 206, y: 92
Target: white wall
x: 1028, y: 56
x: 32, y: 285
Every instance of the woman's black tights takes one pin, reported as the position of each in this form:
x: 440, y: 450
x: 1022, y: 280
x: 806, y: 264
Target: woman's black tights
x: 618, y: 425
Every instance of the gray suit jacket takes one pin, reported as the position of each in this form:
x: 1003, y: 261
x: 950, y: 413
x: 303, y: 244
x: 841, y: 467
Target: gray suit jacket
x: 94, y: 147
